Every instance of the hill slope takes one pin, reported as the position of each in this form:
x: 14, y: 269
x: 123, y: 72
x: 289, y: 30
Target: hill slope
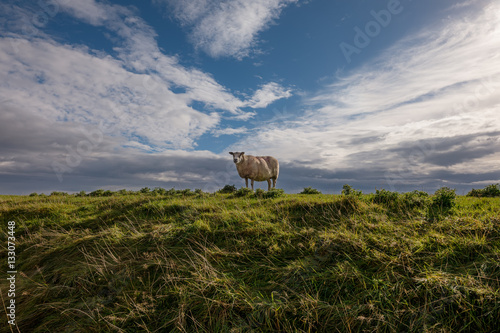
x: 221, y: 263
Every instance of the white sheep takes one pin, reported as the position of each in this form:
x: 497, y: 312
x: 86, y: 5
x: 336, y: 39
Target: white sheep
x: 256, y: 168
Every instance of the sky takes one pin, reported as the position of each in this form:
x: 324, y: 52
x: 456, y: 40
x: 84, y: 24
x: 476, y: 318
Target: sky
x: 381, y: 94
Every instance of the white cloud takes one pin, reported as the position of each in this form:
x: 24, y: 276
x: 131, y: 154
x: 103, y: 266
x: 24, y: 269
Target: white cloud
x: 229, y: 131
x: 267, y: 94
x: 67, y: 83
x: 429, y: 95
x: 140, y: 52
x: 89, y: 11
x: 131, y: 93
x: 226, y: 28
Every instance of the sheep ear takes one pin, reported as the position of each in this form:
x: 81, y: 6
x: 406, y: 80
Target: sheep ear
x: 231, y: 153
x: 243, y: 153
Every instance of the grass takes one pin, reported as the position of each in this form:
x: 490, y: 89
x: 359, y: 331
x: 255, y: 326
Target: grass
x: 246, y: 263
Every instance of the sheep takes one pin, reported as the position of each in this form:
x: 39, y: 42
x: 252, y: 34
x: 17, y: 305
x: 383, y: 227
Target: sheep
x: 257, y: 168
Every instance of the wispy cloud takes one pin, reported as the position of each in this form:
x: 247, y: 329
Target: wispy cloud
x: 432, y: 95
x: 229, y: 131
x: 139, y: 92
x: 229, y: 27
x: 267, y: 94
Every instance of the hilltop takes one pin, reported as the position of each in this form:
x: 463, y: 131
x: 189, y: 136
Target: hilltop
x: 185, y: 261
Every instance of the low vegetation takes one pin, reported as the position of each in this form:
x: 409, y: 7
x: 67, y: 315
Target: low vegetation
x: 489, y: 191
x: 240, y: 261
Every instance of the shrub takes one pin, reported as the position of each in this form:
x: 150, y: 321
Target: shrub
x: 475, y: 193
x: 145, y: 190
x: 107, y: 193
x: 274, y: 193
x: 384, y: 197
x: 242, y: 192
x: 442, y: 203
x: 490, y: 191
x: 186, y: 192
x: 199, y: 192
x: 444, y: 198
x: 228, y: 189
x: 398, y: 203
x: 415, y: 199
x: 159, y: 191
x: 259, y: 193
x: 310, y: 190
x: 123, y: 192
x: 34, y: 194
x: 55, y: 193
x: 348, y: 190
x: 81, y: 194
x: 96, y: 193
x: 172, y: 191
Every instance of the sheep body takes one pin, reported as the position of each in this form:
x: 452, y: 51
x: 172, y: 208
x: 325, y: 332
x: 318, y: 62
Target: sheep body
x: 256, y: 168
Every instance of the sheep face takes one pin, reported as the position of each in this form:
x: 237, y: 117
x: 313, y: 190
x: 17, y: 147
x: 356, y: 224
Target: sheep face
x: 237, y: 157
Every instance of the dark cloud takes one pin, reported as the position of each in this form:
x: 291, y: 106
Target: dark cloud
x: 450, y: 151
x: 40, y: 155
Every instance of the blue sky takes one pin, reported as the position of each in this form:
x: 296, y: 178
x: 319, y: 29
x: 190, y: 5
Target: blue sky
x: 391, y: 94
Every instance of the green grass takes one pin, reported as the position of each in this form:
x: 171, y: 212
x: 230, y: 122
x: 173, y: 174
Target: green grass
x: 246, y: 263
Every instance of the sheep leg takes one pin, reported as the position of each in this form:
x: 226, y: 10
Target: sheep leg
x: 246, y: 182
x: 269, y: 184
x: 252, y: 183
x: 274, y: 182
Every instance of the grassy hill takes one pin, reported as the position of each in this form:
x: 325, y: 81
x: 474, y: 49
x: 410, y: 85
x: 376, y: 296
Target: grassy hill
x: 194, y: 262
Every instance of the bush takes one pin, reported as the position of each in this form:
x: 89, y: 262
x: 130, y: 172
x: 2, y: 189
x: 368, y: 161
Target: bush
x: 384, y: 197
x: 274, y: 193
x: 199, y: 192
x: 405, y: 203
x: 489, y: 191
x: 442, y: 203
x: 145, y: 190
x: 348, y: 190
x: 228, y: 189
x: 34, y: 194
x: 310, y: 190
x: 172, y: 191
x: 444, y: 198
x: 475, y: 193
x: 259, y: 193
x: 242, y: 192
x: 81, y: 194
x: 58, y: 194
x: 123, y: 192
x: 159, y: 191
x: 492, y: 190
x: 107, y: 193
x: 186, y: 192
x: 97, y: 193
x: 415, y: 199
